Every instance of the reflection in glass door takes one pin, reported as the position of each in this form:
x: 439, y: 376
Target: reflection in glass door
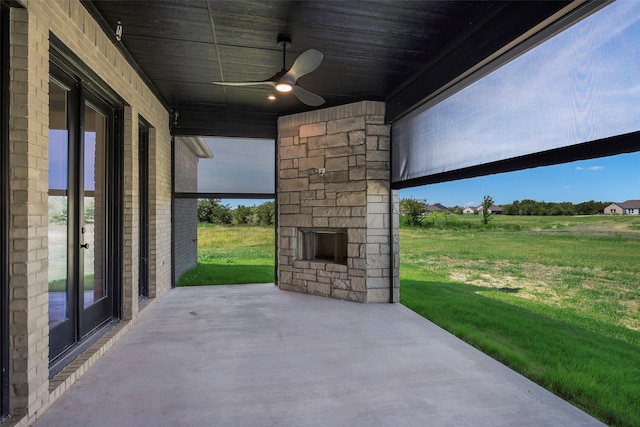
x: 58, y: 204
x: 92, y: 228
x: 95, y: 303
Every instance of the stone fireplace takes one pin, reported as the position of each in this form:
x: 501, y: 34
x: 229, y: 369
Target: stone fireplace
x: 337, y: 217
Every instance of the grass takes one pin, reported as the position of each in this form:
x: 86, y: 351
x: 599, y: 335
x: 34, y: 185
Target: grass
x: 57, y: 272
x: 232, y: 255
x: 577, y: 266
x: 554, y: 298
x: 60, y: 285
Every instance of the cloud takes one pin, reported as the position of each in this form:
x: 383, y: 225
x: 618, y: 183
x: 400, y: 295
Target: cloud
x: 590, y: 169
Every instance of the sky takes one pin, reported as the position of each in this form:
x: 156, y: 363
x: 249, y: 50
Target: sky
x: 607, y: 179
x: 58, y: 161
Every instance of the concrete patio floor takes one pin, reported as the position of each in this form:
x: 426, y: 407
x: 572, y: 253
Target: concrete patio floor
x: 253, y: 355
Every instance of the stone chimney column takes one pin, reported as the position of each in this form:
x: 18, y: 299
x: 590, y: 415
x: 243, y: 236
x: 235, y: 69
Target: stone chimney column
x: 334, y: 181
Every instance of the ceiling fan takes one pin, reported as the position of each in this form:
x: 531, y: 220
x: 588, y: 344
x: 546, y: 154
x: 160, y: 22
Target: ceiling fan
x: 285, y: 80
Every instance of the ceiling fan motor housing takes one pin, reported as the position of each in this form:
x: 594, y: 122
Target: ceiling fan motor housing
x: 284, y: 40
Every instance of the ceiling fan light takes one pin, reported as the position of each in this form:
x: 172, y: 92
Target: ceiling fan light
x: 284, y: 87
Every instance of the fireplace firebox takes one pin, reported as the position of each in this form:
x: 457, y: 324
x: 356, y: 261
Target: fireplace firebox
x: 323, y: 245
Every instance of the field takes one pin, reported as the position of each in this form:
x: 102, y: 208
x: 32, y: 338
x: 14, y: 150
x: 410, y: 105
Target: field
x: 588, y: 264
x: 555, y: 298
x: 232, y: 255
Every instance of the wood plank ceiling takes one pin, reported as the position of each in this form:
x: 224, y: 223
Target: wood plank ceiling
x: 398, y: 51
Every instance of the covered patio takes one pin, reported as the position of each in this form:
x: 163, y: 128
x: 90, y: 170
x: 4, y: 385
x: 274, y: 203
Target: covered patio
x: 97, y: 97
x: 253, y: 355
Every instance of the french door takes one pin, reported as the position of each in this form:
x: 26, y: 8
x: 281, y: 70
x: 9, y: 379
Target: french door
x: 81, y: 134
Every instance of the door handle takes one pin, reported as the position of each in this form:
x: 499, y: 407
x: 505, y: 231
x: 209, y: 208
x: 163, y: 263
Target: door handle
x: 84, y: 245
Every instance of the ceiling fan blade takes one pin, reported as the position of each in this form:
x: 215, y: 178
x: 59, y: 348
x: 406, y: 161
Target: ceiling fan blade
x: 307, y: 97
x: 308, y: 61
x: 264, y: 83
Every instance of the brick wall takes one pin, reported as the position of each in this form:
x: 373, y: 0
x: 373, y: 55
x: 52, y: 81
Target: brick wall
x: 186, y: 210
x: 159, y: 211
x: 131, y: 217
x: 30, y: 27
x: 186, y: 241
x: 28, y: 222
x: 351, y: 143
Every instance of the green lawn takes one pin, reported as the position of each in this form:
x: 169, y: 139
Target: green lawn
x: 555, y: 298
x: 232, y: 255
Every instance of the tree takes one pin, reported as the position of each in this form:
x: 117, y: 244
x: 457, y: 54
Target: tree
x: 412, y: 210
x: 242, y: 215
x: 487, y: 202
x: 266, y: 214
x: 457, y: 210
x: 214, y: 212
x: 511, y: 208
x: 591, y: 207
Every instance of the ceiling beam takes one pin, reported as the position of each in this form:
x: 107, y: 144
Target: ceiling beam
x: 203, y: 121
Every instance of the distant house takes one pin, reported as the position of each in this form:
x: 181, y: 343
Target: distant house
x: 468, y: 211
x: 494, y: 209
x: 436, y: 208
x: 630, y: 207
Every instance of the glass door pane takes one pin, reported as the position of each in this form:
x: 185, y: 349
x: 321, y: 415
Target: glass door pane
x: 58, y: 205
x: 93, y: 221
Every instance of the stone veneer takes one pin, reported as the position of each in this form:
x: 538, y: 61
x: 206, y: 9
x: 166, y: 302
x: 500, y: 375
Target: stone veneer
x: 352, y: 144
